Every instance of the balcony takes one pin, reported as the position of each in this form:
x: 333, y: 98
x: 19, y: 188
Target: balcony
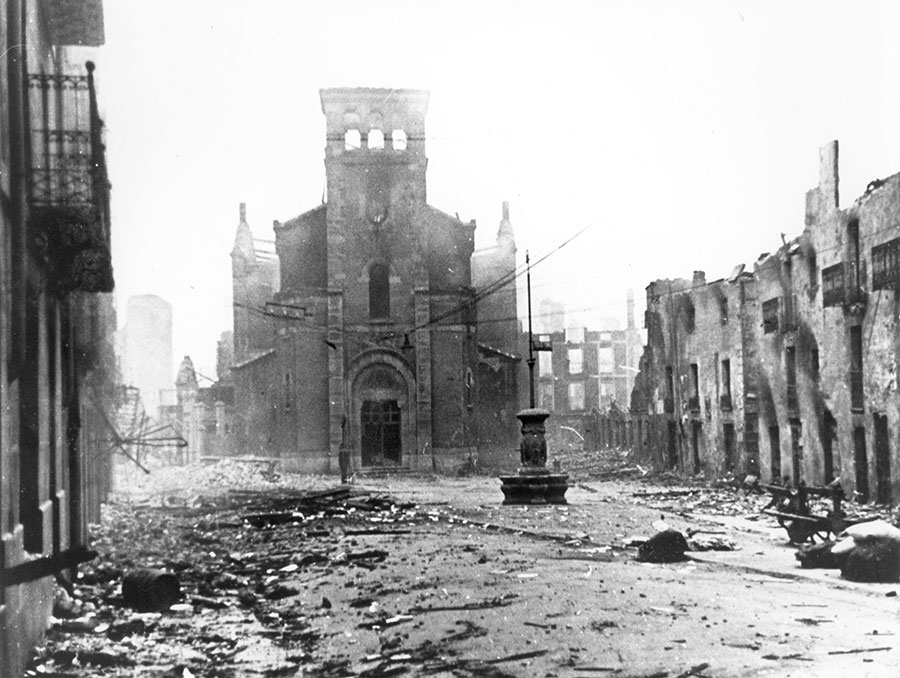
x: 68, y: 186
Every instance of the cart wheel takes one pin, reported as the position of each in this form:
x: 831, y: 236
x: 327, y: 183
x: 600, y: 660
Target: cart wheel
x: 799, y: 531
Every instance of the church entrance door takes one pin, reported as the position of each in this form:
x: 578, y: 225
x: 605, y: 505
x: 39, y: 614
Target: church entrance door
x: 380, y: 425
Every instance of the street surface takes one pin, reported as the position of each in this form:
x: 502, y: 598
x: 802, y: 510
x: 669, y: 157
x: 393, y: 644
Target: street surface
x: 424, y: 576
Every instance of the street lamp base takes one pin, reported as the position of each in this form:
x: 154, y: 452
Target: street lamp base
x: 534, y: 486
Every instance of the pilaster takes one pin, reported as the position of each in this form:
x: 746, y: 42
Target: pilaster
x: 337, y: 408
x: 423, y: 371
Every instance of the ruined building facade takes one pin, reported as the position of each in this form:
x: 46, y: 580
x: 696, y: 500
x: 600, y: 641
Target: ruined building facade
x: 368, y: 338
x: 788, y: 370
x: 57, y: 321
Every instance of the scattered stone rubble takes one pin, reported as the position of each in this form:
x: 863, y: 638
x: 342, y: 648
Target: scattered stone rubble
x: 240, y: 544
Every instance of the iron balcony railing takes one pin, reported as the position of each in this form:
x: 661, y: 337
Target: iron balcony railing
x: 68, y: 185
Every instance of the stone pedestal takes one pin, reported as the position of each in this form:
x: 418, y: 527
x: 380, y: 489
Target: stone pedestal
x: 534, y: 483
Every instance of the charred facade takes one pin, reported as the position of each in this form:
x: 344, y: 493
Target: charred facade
x: 787, y: 371
x: 363, y: 333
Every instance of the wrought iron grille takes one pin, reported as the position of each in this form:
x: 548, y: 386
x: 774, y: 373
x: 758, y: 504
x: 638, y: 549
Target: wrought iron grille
x: 886, y: 264
x: 833, y: 285
x: 63, y: 164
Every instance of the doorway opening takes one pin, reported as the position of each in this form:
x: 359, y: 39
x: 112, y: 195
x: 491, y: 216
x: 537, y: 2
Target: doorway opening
x: 381, y: 432
x: 882, y: 460
x: 860, y: 457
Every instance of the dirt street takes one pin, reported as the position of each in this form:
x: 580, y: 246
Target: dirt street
x: 411, y: 576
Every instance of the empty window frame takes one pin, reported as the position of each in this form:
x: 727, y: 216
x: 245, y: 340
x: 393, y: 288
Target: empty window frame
x: 375, y: 139
x: 379, y: 291
x: 725, y: 397
x: 694, y: 398
x: 545, y: 364
x: 352, y: 140
x: 853, y: 256
x: 576, y: 363
x: 576, y: 396
x: 857, y: 395
x: 575, y: 335
x: 398, y: 140
x: 545, y: 396
x: 770, y: 315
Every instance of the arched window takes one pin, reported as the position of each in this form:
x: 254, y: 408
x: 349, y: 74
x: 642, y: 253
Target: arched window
x: 398, y: 139
x: 379, y: 291
x: 352, y: 140
x: 376, y: 139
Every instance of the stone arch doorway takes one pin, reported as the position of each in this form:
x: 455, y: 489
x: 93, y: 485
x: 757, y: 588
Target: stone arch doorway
x: 382, y: 410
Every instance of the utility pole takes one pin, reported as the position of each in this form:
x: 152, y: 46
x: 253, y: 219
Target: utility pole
x: 530, y: 361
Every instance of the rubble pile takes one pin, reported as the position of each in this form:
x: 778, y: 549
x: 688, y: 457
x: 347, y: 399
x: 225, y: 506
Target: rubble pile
x: 233, y: 553
x: 184, y: 485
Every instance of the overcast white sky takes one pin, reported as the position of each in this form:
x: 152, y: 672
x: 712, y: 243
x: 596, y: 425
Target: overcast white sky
x: 686, y: 132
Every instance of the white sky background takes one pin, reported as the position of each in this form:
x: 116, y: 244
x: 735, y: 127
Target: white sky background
x: 686, y: 132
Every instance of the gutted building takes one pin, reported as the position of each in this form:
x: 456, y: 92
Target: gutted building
x: 586, y: 373
x: 57, y: 364
x: 788, y: 371
x: 369, y: 338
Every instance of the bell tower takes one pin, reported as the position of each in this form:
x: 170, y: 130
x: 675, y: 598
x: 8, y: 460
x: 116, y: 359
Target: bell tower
x: 375, y: 172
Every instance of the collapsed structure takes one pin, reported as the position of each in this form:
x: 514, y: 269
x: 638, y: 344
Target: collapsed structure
x: 787, y: 371
x: 367, y: 334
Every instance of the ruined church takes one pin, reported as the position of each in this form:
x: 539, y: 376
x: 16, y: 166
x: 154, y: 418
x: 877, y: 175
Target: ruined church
x: 376, y: 329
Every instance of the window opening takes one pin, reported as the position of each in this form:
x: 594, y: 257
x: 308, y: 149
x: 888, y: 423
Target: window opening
x: 833, y: 285
x: 576, y: 396
x: 379, y: 291
x: 770, y: 316
x: 853, y: 254
x: 725, y: 400
x: 375, y: 140
x: 790, y: 368
x: 545, y: 363
x: 352, y: 140
x: 886, y: 265
x: 575, y: 361
x: 546, y: 396
x: 694, y: 400
x: 672, y: 444
x: 729, y: 439
x: 398, y: 140
x: 857, y: 399
x: 775, y: 454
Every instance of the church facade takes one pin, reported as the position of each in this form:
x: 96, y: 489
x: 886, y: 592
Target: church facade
x: 362, y: 334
